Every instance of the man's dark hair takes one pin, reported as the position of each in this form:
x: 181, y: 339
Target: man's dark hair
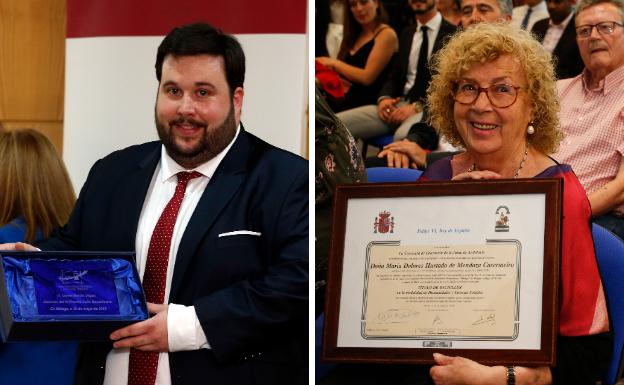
x: 204, y: 39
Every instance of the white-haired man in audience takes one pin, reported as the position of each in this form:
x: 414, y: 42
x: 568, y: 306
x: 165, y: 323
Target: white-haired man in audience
x: 477, y: 11
x: 592, y: 111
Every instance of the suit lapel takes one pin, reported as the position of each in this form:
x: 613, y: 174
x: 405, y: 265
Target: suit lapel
x: 567, y: 37
x: 404, y: 55
x: 135, y: 185
x: 445, y: 29
x: 220, y: 190
x: 539, y: 30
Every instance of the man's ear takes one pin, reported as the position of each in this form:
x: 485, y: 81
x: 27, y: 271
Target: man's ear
x: 237, y: 101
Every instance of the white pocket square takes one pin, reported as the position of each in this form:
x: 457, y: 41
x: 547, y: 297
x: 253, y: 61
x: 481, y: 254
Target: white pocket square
x: 240, y: 232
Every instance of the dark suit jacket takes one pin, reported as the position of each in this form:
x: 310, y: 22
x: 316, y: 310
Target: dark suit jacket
x: 250, y: 293
x: 569, y: 62
x: 393, y: 87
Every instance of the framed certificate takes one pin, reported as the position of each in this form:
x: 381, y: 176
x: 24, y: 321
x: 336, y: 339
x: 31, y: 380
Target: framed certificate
x: 464, y: 268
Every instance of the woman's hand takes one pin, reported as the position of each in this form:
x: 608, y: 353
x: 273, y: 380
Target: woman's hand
x: 18, y: 246
x: 395, y: 159
x: 386, y: 107
x: 327, y: 62
x: 462, y: 371
x: 400, y: 114
x: 417, y: 156
x: 485, y: 174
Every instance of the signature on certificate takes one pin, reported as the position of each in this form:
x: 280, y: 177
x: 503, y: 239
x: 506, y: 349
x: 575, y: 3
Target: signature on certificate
x: 397, y: 315
x: 486, y: 319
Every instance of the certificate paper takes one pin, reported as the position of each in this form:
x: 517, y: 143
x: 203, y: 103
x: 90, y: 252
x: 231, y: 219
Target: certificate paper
x: 464, y: 268
x: 462, y: 292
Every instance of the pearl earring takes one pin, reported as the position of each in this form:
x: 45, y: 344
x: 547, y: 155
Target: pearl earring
x: 531, y: 129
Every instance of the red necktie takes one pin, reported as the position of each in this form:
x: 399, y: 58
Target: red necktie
x: 143, y: 365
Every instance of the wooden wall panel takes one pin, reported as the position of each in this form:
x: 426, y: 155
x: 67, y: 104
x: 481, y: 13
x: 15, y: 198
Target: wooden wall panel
x: 53, y: 130
x: 32, y: 62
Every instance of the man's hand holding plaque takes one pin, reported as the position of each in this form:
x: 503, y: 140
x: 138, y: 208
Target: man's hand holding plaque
x: 149, y: 335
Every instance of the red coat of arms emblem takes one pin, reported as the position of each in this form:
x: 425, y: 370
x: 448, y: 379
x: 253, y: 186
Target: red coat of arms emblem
x: 384, y: 223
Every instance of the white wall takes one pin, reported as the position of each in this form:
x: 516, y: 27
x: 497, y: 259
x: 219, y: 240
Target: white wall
x: 110, y: 90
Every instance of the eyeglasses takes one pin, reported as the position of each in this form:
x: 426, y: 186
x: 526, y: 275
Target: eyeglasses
x: 500, y: 95
x: 604, y: 28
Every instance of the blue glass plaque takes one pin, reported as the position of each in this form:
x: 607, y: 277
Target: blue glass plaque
x: 65, y: 295
x: 70, y: 287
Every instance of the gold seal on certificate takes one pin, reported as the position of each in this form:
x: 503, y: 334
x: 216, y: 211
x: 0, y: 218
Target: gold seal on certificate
x: 466, y: 268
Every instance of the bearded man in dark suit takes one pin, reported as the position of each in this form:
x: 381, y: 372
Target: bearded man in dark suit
x: 235, y: 292
x: 558, y: 36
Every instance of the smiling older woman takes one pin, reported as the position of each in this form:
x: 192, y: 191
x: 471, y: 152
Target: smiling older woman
x: 494, y: 94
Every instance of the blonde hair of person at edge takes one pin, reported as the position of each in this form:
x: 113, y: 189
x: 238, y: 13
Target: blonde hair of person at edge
x: 36, y: 195
x: 35, y: 188
x: 494, y: 94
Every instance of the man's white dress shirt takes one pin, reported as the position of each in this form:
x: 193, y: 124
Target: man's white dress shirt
x: 538, y: 12
x: 412, y: 64
x: 184, y: 330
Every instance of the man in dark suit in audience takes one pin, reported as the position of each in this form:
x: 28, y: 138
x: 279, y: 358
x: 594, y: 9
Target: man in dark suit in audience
x: 558, y: 36
x: 219, y: 222
x: 410, y: 152
x: 400, y: 101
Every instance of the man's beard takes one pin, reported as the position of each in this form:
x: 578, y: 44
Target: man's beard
x: 420, y: 11
x: 214, y: 140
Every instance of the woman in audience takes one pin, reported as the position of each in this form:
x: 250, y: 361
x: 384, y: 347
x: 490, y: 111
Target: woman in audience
x: 367, y: 48
x: 494, y: 94
x: 36, y: 196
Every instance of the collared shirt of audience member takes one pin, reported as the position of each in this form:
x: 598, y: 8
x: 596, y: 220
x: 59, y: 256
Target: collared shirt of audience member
x: 558, y: 35
x: 408, y: 152
x: 526, y: 15
x: 400, y: 100
x: 592, y: 111
x: 494, y: 94
x: 368, y: 45
x: 235, y: 307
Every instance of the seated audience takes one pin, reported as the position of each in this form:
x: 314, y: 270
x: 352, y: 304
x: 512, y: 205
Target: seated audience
x: 592, y: 111
x: 411, y: 152
x: 558, y: 35
x: 368, y: 45
x: 494, y: 94
x: 36, y: 196
x: 400, y: 101
x: 524, y: 16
